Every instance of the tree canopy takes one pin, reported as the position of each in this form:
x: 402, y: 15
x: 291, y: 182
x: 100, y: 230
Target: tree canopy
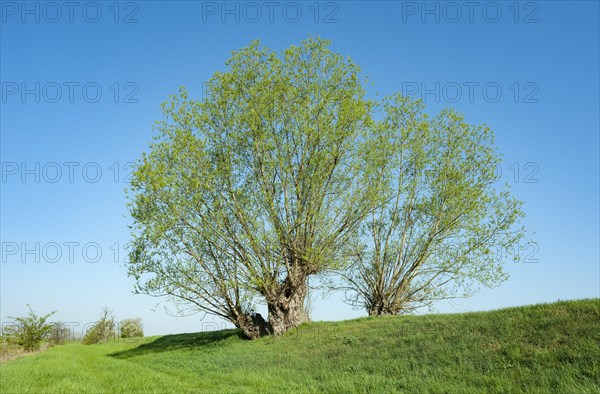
x: 281, y: 172
x: 442, y: 228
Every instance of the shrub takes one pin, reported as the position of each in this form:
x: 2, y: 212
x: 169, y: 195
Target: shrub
x: 102, y: 330
x: 29, y: 331
x: 131, y: 328
x: 8, y: 348
x: 59, y: 334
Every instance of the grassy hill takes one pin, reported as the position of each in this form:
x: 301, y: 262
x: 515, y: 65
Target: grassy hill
x: 541, y: 348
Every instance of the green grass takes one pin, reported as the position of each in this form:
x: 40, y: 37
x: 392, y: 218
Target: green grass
x: 541, y: 348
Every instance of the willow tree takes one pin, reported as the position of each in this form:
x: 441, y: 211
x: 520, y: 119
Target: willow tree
x: 444, y: 227
x: 247, y: 193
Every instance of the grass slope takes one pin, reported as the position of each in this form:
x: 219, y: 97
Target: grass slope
x: 541, y: 348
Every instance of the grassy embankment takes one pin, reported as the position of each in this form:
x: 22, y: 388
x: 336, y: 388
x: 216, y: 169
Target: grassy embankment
x: 541, y: 348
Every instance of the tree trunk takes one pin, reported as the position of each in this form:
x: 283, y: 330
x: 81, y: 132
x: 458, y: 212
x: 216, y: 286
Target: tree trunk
x: 286, y: 311
x: 253, y: 326
x: 379, y: 306
x: 380, y: 311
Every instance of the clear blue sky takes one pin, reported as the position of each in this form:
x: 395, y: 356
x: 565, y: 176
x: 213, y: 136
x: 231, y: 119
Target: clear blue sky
x: 530, y: 71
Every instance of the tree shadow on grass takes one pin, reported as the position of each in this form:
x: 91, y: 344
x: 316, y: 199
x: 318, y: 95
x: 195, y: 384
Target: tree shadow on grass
x: 169, y: 343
